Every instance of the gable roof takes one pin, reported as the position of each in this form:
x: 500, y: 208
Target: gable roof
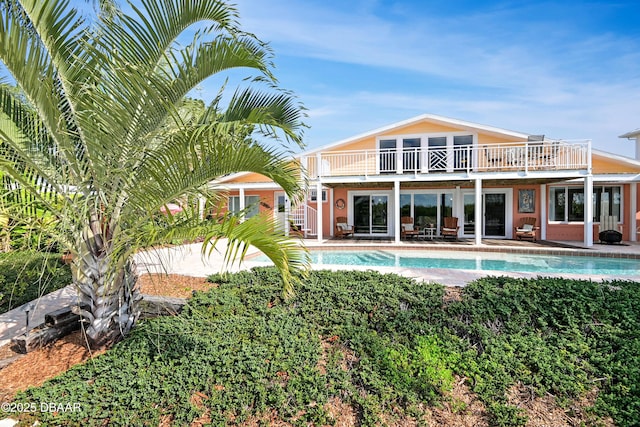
x: 442, y: 120
x: 452, y: 122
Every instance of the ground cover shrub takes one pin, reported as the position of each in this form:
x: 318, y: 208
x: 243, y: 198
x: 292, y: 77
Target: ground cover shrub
x: 381, y: 343
x: 562, y: 337
x: 26, y: 275
x: 242, y: 350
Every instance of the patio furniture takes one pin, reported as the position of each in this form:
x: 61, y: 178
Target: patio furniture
x: 526, y: 228
x: 427, y: 233
x: 343, y: 229
x: 449, y: 227
x: 407, y: 229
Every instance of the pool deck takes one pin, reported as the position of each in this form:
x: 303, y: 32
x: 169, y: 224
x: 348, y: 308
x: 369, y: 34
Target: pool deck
x: 188, y: 260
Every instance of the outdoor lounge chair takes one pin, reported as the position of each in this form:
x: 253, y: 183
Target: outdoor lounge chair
x: 449, y: 227
x: 342, y: 228
x: 407, y: 228
x: 526, y: 228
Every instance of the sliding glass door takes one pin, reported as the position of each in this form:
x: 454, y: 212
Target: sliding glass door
x: 494, y: 209
x: 370, y: 214
x: 495, y: 215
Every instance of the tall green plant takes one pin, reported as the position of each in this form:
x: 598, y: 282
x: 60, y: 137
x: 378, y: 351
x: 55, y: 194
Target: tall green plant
x: 99, y: 134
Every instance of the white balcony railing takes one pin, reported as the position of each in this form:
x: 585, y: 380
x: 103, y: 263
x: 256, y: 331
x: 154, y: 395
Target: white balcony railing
x: 517, y: 156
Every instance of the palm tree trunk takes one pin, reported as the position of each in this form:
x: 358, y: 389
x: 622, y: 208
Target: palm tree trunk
x: 111, y: 294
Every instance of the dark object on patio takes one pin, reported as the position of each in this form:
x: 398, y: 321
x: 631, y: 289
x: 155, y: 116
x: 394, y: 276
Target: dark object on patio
x: 450, y: 227
x: 610, y: 236
x: 526, y: 228
x: 342, y: 228
x: 407, y: 229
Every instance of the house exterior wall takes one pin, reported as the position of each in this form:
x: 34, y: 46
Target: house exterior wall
x: 601, y: 166
x: 571, y: 231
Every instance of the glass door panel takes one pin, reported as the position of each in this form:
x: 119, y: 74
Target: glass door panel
x: 469, y: 214
x: 379, y: 215
x: 361, y: 214
x: 437, y: 153
x: 370, y: 214
x: 411, y: 154
x: 495, y: 214
x: 388, y: 156
x: 281, y: 209
x: 425, y: 210
x: 461, y: 146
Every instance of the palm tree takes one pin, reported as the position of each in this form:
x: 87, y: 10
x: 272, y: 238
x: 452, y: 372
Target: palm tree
x: 98, y: 134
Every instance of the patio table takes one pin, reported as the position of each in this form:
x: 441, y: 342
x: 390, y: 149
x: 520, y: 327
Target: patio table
x: 427, y: 233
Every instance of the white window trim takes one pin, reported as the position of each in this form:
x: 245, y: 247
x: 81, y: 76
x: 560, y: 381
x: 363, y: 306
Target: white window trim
x: 313, y: 197
x: 566, y: 213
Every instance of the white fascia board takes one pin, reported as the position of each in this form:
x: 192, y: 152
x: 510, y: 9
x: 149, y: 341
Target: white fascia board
x: 246, y: 185
x: 616, y: 157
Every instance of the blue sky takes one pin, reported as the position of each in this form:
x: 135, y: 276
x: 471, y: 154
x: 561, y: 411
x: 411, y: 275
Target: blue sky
x: 566, y: 69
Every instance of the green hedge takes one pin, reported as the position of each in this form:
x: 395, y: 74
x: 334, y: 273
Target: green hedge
x: 381, y: 343
x: 25, y: 276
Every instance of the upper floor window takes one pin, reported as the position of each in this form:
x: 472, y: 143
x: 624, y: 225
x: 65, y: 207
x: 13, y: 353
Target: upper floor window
x: 425, y: 153
x: 313, y: 195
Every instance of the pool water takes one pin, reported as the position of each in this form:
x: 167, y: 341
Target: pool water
x: 482, y: 261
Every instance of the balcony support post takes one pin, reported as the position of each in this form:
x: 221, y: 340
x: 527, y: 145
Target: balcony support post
x: 543, y: 212
x: 319, y: 210
x: 241, y: 201
x: 478, y: 212
x: 633, y: 202
x: 396, y: 210
x: 588, y: 211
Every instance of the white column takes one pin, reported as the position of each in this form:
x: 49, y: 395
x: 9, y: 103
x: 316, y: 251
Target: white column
x: 202, y: 201
x: 633, y: 206
x: 331, y: 212
x: 588, y: 211
x: 543, y: 212
x: 241, y: 201
x: 396, y: 210
x: 478, y: 212
x: 319, y: 211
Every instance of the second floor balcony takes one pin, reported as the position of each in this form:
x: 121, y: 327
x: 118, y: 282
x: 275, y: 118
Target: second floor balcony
x: 481, y: 158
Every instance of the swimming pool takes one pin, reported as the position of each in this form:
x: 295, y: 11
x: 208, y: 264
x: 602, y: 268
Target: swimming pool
x: 479, y: 261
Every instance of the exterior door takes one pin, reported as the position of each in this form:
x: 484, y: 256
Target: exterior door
x: 495, y: 214
x: 494, y: 208
x: 371, y: 214
x: 281, y: 209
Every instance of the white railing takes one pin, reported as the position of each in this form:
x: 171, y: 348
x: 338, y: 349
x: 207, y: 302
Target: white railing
x: 517, y: 156
x: 305, y: 219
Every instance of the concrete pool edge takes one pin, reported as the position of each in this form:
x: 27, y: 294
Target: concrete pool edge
x: 452, y: 277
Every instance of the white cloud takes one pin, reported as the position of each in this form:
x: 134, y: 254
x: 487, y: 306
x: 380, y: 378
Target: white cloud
x: 511, y: 67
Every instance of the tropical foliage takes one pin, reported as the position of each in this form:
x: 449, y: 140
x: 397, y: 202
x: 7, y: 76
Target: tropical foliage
x: 98, y: 132
x: 386, y: 347
x: 25, y: 276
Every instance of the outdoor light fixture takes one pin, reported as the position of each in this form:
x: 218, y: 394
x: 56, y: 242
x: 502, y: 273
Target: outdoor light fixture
x: 29, y: 308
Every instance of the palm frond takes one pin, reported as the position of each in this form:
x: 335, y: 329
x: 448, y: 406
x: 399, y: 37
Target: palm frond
x: 37, y: 38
